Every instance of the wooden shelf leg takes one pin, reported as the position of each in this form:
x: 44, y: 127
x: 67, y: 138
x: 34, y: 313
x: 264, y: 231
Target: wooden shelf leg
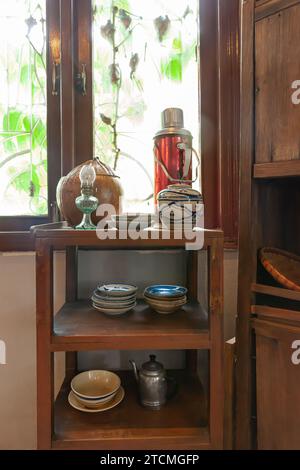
x: 216, y: 399
x: 71, y: 296
x: 192, y: 284
x: 45, y: 359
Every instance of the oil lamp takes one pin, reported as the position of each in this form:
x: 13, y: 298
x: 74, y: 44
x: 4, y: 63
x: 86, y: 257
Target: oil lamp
x: 87, y: 203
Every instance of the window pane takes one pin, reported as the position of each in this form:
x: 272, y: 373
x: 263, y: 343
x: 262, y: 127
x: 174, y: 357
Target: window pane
x: 23, y: 144
x: 144, y: 61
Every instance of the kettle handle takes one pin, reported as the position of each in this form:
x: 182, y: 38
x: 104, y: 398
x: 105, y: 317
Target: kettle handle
x: 172, y: 387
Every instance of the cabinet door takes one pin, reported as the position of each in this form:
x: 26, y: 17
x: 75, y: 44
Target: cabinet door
x: 277, y: 56
x: 278, y: 385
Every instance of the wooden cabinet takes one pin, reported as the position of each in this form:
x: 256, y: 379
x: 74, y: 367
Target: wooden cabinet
x: 267, y: 412
x: 277, y: 73
x: 277, y: 67
x: 278, y: 384
x: 193, y: 419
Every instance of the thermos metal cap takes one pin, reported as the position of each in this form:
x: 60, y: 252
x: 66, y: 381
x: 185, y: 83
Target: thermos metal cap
x: 172, y: 117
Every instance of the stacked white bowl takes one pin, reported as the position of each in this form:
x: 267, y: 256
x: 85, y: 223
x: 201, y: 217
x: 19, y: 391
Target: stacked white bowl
x: 95, y: 388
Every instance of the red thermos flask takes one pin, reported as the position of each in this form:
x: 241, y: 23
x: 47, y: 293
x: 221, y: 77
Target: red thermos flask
x: 173, y: 148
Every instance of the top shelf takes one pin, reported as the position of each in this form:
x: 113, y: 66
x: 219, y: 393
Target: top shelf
x: 59, y: 235
x: 281, y: 169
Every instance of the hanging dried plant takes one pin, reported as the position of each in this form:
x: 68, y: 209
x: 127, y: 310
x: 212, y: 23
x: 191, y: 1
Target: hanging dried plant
x: 108, y: 31
x: 162, y: 25
x: 106, y: 119
x: 31, y: 189
x: 31, y: 22
x: 187, y: 12
x: 114, y: 74
x: 125, y: 18
x: 134, y: 61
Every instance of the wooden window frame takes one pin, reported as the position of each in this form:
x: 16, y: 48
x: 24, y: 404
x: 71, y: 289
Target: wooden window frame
x: 23, y: 223
x: 220, y: 114
x: 70, y: 140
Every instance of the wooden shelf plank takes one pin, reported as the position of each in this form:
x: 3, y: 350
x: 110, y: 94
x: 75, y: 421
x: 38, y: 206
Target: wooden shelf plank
x: 276, y: 291
x: 266, y: 8
x: 282, y: 169
x: 156, y: 239
x: 78, y: 326
x: 180, y: 424
x: 275, y: 313
x: 268, y: 328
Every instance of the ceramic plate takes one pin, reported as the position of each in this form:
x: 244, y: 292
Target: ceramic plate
x: 106, y: 406
x: 113, y: 303
x: 113, y: 311
x: 105, y: 298
x: 117, y: 290
x: 160, y: 290
x: 122, y: 221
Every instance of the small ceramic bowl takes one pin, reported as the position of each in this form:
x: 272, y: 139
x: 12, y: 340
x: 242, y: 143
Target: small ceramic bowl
x: 161, y: 291
x: 166, y: 306
x: 93, y: 404
x: 175, y: 302
x: 95, y: 384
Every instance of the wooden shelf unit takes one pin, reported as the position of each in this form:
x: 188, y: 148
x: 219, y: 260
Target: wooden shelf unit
x: 190, y: 420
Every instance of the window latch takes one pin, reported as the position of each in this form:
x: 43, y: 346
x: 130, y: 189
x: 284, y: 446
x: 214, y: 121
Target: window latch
x: 55, y: 78
x: 80, y: 80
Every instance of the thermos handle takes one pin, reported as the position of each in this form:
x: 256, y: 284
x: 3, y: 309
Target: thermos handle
x: 174, y: 180
x: 188, y: 158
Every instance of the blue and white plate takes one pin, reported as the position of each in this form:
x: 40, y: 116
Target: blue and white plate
x: 116, y: 290
x: 160, y: 291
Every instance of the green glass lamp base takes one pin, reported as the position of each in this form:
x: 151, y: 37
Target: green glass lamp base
x: 87, y: 204
x: 86, y: 223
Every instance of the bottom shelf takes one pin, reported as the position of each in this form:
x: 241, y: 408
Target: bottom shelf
x: 180, y: 424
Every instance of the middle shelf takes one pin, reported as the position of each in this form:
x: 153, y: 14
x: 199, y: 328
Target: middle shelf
x: 79, y: 327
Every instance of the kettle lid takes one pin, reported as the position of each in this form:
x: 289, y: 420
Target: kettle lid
x: 152, y: 367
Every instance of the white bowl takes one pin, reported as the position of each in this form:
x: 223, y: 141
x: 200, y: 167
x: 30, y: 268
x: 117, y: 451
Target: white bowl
x: 95, y: 384
x: 91, y: 403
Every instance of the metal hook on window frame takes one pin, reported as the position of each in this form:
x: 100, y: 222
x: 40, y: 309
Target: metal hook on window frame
x: 81, y: 79
x: 55, y: 78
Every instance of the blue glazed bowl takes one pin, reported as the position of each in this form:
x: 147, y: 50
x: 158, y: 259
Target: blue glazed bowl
x: 160, y: 291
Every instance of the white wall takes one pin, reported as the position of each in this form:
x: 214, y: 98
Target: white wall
x: 17, y: 325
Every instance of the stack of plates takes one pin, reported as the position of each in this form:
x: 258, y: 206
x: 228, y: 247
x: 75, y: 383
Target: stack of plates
x: 180, y: 204
x: 114, y: 299
x: 95, y: 390
x: 165, y: 299
x: 123, y: 221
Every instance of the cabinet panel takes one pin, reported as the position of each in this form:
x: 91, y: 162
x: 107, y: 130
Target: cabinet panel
x: 277, y: 55
x: 278, y: 383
